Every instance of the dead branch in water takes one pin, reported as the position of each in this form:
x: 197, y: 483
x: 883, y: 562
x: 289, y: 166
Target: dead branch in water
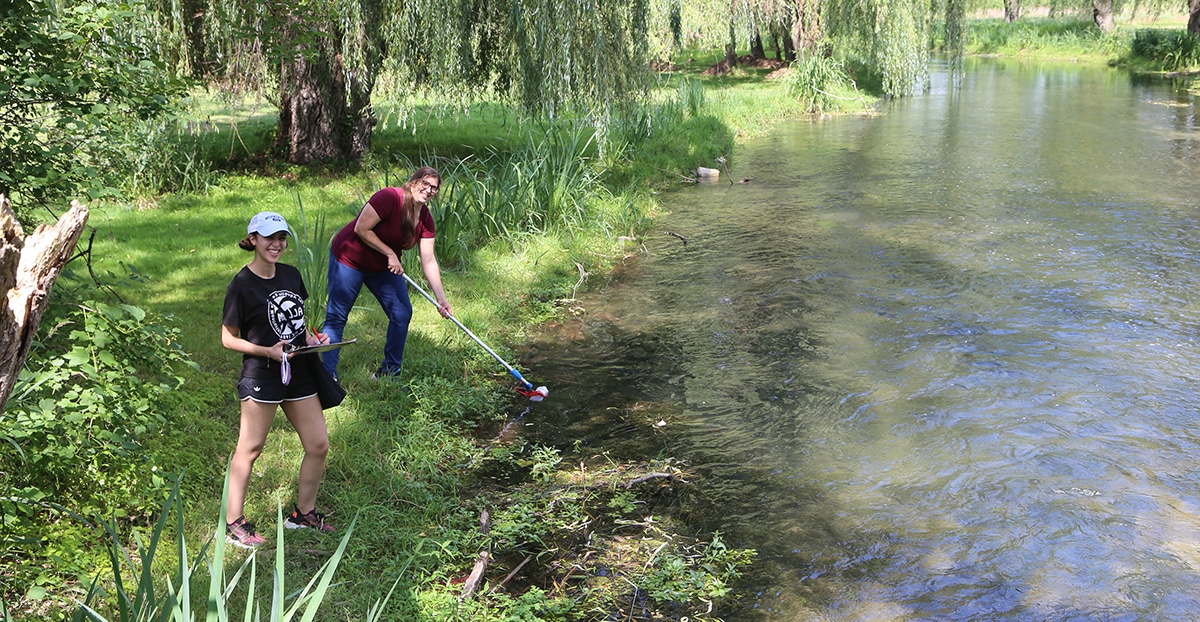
x: 676, y: 235
x: 480, y: 564
x: 647, y: 477
x: 511, y: 575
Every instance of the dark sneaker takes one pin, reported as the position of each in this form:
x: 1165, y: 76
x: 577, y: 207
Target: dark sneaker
x: 311, y: 520
x: 241, y: 533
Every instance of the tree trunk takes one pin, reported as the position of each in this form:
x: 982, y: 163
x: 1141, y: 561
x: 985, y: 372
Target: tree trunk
x: 360, y: 80
x: 1194, y: 17
x: 28, y: 269
x: 756, y: 46
x: 806, y: 30
x: 312, y: 108
x: 321, y: 117
x: 1012, y: 10
x: 1102, y: 15
x: 731, y: 48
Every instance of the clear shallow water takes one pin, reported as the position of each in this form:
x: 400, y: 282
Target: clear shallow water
x: 939, y: 363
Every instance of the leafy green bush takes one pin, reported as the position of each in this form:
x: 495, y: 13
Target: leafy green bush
x: 72, y: 429
x: 695, y: 576
x: 74, y: 76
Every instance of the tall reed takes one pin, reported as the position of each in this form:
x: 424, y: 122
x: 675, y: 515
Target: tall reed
x: 148, y: 600
x: 691, y: 96
x: 545, y: 182
x: 1172, y: 50
x: 818, y: 82
x: 312, y: 259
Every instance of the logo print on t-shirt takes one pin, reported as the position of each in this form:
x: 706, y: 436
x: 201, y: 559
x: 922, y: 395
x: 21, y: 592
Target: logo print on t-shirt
x: 286, y: 313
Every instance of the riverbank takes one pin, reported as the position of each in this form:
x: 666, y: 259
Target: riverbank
x: 416, y: 464
x: 1147, y: 43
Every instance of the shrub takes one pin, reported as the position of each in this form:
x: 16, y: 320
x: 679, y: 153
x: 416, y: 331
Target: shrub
x: 816, y: 80
x: 72, y: 430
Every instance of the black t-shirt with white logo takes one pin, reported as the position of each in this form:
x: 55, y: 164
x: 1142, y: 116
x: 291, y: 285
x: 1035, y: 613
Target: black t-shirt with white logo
x: 265, y: 312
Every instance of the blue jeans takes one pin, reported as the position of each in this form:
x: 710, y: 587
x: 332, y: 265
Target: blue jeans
x: 392, y: 293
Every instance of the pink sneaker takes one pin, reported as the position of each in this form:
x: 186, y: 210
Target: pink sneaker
x: 312, y: 520
x: 241, y: 533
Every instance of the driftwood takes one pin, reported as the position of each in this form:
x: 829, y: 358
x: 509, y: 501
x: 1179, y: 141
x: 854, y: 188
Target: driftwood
x: 28, y: 268
x: 645, y: 478
x: 481, y: 562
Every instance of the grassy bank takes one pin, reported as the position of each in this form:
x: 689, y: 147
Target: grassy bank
x: 1146, y: 43
x: 525, y: 211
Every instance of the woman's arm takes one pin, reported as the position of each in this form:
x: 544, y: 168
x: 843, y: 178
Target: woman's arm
x: 231, y: 339
x: 433, y: 274
x: 368, y: 219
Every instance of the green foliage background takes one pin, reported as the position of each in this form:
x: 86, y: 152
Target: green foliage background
x: 75, y: 80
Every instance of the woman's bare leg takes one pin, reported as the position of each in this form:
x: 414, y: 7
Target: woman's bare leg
x: 252, y: 435
x: 308, y: 419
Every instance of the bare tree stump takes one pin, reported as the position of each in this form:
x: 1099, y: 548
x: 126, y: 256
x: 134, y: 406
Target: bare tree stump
x: 28, y: 269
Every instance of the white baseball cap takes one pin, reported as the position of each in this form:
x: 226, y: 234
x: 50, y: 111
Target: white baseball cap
x: 267, y: 224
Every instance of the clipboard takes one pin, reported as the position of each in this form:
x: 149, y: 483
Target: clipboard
x: 324, y: 347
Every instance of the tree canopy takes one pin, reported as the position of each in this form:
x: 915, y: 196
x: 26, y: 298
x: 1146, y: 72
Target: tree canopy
x: 73, y: 76
x: 321, y: 60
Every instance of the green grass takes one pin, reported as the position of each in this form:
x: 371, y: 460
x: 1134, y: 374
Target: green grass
x: 1146, y: 43
x: 1045, y: 39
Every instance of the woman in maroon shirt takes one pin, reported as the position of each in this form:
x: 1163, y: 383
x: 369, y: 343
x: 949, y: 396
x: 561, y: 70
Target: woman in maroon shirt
x: 367, y: 252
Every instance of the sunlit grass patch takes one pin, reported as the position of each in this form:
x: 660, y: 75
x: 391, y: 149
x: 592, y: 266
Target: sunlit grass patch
x: 1045, y: 38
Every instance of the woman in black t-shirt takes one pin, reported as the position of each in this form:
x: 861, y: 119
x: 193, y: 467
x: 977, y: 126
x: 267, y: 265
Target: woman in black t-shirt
x: 264, y: 311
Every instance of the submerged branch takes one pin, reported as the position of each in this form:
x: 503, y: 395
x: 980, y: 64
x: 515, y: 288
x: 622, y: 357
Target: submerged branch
x: 480, y: 563
x: 647, y: 477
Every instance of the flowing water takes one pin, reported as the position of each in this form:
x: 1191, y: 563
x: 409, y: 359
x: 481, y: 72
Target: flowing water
x: 934, y: 364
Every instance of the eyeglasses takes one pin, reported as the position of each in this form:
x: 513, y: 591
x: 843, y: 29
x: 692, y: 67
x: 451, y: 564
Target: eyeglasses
x: 432, y: 188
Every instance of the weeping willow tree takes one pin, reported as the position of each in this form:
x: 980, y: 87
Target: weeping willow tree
x: 890, y: 37
x: 322, y: 59
x: 894, y: 36
x: 317, y: 60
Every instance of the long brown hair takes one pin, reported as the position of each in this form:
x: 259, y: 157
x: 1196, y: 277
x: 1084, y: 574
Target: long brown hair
x: 410, y: 212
